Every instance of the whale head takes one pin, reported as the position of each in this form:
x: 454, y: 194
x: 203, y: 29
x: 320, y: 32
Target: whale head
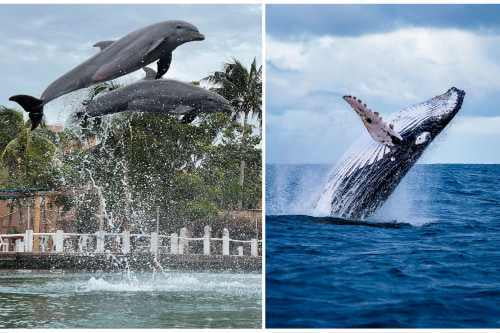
x: 420, y: 124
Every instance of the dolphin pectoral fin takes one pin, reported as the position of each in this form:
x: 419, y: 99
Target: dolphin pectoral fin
x: 154, y: 45
x: 103, y: 44
x: 188, y: 118
x: 163, y: 65
x: 378, y: 129
x: 150, y: 73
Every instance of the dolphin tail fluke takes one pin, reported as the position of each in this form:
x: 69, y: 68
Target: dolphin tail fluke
x: 379, y: 130
x: 33, y: 106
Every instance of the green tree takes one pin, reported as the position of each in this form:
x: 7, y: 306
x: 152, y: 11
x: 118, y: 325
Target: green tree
x: 243, y: 88
x: 27, y: 157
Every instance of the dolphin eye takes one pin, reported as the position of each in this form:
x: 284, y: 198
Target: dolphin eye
x: 178, y: 27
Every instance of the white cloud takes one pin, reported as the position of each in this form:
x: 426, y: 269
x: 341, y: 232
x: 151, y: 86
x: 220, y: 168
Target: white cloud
x: 476, y: 126
x: 466, y: 140
x: 388, y: 71
x: 402, y: 66
x: 286, y: 55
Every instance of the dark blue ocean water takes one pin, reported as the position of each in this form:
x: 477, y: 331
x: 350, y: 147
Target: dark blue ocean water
x: 429, y: 259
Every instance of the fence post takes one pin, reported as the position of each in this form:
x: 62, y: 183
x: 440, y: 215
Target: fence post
x: 174, y: 243
x: 206, y: 240
x: 28, y: 241
x: 240, y: 250
x: 99, y: 241
x: 154, y: 243
x: 59, y: 241
x: 19, y: 245
x: 82, y: 244
x: 254, y: 248
x: 126, y: 242
x: 182, y: 241
x: 225, y: 242
x: 4, y: 245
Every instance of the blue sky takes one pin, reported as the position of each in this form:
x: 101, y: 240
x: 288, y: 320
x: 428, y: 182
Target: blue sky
x: 42, y: 42
x: 390, y: 56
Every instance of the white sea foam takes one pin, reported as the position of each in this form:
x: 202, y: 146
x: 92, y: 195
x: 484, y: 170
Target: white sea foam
x: 175, y: 282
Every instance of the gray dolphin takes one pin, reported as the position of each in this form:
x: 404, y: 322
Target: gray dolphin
x: 158, y: 96
x: 135, y: 50
x: 151, y: 74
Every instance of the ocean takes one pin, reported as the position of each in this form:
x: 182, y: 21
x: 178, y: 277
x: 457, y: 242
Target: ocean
x: 429, y: 258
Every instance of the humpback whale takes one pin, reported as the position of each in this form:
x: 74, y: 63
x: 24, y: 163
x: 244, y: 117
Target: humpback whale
x: 157, y: 96
x: 372, y: 169
x: 137, y: 49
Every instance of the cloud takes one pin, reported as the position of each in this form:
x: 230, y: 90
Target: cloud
x: 400, y: 67
x: 389, y: 71
x: 355, y: 20
x: 466, y: 140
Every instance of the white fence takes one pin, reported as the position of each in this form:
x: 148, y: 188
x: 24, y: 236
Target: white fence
x: 125, y: 243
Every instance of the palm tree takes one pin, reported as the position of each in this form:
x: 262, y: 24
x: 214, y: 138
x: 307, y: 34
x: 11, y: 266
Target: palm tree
x: 11, y: 123
x: 27, y: 154
x: 243, y: 88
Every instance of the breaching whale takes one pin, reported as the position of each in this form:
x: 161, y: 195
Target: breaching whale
x: 371, y: 170
x: 135, y: 50
x: 158, y: 96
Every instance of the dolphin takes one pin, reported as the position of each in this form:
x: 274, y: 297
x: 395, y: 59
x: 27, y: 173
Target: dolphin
x: 372, y: 169
x: 151, y: 74
x: 158, y: 96
x: 137, y: 49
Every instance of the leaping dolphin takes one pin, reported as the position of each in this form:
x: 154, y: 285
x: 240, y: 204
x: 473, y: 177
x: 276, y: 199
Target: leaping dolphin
x: 372, y: 169
x: 151, y: 74
x: 158, y: 96
x: 135, y: 50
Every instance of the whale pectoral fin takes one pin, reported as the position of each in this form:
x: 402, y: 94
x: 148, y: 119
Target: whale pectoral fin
x: 378, y: 129
x: 103, y: 44
x: 163, y: 65
x: 150, y: 73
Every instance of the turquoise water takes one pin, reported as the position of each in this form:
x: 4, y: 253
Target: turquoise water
x: 135, y: 300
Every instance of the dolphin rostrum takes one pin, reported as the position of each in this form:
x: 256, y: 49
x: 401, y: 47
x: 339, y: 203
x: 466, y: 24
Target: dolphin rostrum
x: 135, y: 50
x: 371, y: 170
x: 158, y: 96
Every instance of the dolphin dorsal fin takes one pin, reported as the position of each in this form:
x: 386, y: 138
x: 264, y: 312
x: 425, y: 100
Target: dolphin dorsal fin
x: 379, y: 130
x: 103, y: 44
x: 150, y: 73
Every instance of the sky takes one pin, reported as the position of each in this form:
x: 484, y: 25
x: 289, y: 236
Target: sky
x: 391, y: 57
x: 42, y: 42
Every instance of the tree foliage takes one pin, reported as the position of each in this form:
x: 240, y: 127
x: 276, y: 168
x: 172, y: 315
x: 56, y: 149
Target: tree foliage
x: 131, y: 164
